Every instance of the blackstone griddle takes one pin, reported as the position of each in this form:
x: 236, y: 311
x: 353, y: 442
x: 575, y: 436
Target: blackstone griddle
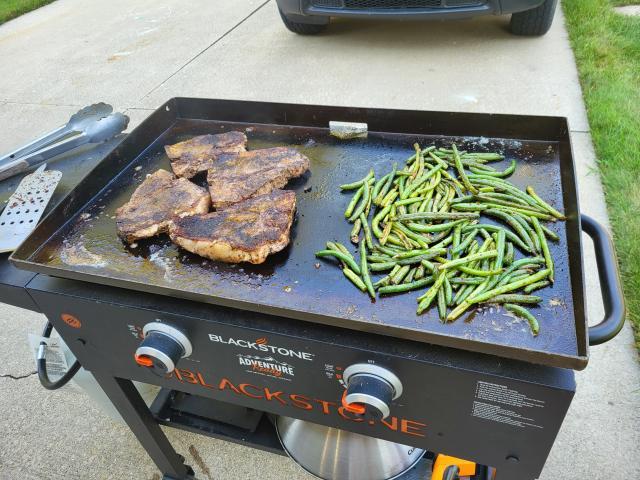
x: 232, y: 347
x: 289, y: 284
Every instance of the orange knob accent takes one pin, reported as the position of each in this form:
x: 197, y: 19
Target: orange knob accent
x: 143, y: 360
x: 356, y: 408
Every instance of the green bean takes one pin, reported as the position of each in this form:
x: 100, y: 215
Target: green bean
x: 544, y: 204
x: 378, y: 217
x: 516, y: 298
x: 419, y: 272
x: 354, y: 201
x: 415, y: 236
x: 410, y: 275
x: 528, y: 230
x: 460, y: 168
x: 383, y: 282
x: 333, y: 246
x: 348, y: 259
x: 366, y: 278
x: 442, y: 227
x: 510, y: 204
x: 545, y: 248
x: 436, y: 216
x: 426, y: 299
x: 378, y: 186
x: 551, y: 234
x: 366, y: 197
x: 505, y: 173
x: 357, y: 281
x: 367, y: 232
x: 400, y: 274
x: 513, y: 223
x: 442, y: 304
x: 470, y: 207
x: 417, y: 259
x: 379, y: 258
x: 464, y: 244
x: 342, y: 248
x: 355, y: 231
x: 467, y: 259
x: 509, y: 256
x: 419, y: 181
x: 359, y: 183
x: 423, y: 251
x: 466, y: 281
x: 501, y: 185
x: 448, y: 291
x: 504, y: 196
x: 511, y: 286
x: 385, y: 189
x: 405, y: 287
x: 524, y: 313
x: 495, y: 228
x: 390, y: 197
x: 386, y: 250
x: 536, y: 286
x: 382, y: 266
x: 474, y: 272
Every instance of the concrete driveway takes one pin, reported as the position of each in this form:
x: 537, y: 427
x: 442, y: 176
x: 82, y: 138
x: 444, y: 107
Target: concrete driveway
x: 136, y: 55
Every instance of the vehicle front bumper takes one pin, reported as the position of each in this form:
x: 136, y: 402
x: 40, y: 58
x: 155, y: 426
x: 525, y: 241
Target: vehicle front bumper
x: 309, y: 11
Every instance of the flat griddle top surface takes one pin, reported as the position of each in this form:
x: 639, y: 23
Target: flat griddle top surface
x: 81, y: 242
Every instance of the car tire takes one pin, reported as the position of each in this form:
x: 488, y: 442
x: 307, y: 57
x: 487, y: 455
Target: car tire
x: 302, y: 28
x: 534, y: 22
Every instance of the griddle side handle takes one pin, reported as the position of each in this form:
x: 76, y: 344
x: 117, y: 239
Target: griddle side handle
x: 610, y: 285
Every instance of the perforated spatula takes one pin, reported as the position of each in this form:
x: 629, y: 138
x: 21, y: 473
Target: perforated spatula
x: 26, y: 206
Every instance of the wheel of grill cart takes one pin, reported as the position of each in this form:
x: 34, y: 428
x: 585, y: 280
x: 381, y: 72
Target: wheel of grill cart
x: 302, y: 28
x: 534, y: 22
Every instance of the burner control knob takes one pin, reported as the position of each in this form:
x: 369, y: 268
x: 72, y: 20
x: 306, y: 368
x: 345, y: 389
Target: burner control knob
x: 162, y: 347
x: 370, y: 389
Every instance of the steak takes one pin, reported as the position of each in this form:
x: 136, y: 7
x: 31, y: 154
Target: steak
x: 198, y: 154
x: 245, y: 232
x: 159, y: 197
x: 248, y: 174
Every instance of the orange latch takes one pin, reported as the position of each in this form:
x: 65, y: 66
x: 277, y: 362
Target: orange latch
x: 143, y: 360
x: 356, y: 408
x: 442, y: 462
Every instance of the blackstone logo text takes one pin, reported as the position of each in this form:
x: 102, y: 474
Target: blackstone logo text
x: 262, y: 347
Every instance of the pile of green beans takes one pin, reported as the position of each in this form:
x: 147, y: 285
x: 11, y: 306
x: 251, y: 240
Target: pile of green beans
x: 425, y: 226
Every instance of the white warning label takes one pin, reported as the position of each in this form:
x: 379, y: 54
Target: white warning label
x: 501, y: 404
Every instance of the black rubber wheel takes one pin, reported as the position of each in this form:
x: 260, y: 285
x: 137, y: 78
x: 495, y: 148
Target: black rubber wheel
x: 534, y: 22
x: 302, y: 28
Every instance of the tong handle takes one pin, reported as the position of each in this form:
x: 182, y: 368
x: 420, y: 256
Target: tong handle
x: 610, y: 284
x: 39, y: 157
x: 37, y: 144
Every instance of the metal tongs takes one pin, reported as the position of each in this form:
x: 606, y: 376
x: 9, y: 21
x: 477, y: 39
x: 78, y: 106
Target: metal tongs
x: 92, y: 124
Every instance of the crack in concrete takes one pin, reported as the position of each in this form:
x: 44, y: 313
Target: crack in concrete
x: 259, y: 7
x: 17, y: 377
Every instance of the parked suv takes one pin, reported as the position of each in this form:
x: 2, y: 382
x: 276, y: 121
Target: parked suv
x: 308, y: 17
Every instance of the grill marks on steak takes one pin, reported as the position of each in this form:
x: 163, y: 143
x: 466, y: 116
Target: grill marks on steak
x: 245, y: 232
x: 199, y: 154
x: 155, y: 202
x: 256, y: 172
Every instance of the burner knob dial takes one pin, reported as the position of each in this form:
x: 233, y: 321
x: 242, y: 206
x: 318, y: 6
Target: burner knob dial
x: 162, y: 347
x: 371, y: 387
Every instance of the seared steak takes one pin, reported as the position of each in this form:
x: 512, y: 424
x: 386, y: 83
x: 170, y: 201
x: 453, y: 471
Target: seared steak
x: 253, y: 173
x: 198, y: 154
x: 245, y: 232
x: 159, y: 197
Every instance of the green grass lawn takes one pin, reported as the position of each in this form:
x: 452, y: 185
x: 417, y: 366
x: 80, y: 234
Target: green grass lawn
x: 14, y: 8
x: 607, y: 50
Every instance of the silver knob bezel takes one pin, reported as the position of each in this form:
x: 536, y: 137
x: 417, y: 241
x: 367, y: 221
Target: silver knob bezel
x: 375, y: 370
x: 172, y: 332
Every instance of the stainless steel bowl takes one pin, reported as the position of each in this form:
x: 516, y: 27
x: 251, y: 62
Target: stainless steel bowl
x: 333, y: 454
